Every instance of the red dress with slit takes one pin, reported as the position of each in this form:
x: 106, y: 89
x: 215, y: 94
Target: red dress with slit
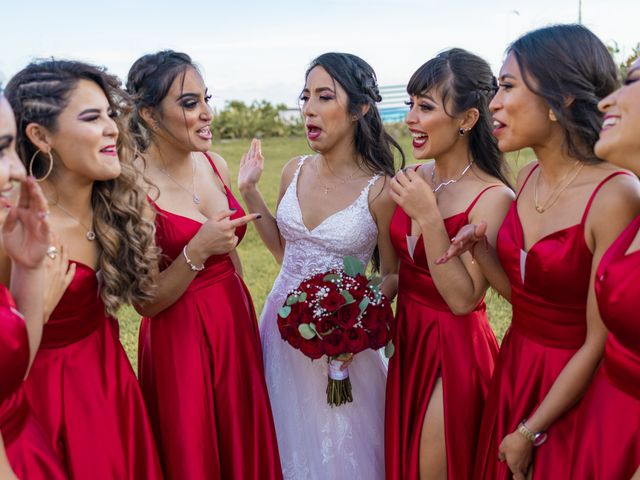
x: 432, y: 342
x: 549, y: 289
x: 201, y: 370
x: 607, y: 440
x: 85, y: 394
x: 30, y: 454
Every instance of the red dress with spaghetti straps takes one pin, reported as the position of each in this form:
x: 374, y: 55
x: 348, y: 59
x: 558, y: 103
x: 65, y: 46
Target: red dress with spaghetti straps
x: 432, y: 342
x: 607, y: 441
x: 84, y: 392
x: 28, y: 449
x: 201, y: 370
x: 549, y: 289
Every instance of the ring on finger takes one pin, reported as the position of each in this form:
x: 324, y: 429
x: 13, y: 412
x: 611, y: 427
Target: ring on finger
x: 52, y: 252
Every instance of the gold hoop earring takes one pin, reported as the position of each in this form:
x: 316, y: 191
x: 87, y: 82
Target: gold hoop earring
x: 33, y: 157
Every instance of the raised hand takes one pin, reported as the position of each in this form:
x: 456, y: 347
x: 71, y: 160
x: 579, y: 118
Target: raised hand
x: 466, y: 238
x: 413, y: 194
x: 217, y: 235
x: 25, y: 232
x: 58, y: 275
x: 251, y: 166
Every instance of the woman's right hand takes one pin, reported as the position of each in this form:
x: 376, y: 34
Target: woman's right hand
x: 58, y: 275
x: 466, y: 238
x: 251, y: 167
x: 217, y: 236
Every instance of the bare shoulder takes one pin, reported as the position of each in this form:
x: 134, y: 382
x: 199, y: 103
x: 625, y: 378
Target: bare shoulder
x: 221, y: 165
x: 289, y: 170
x: 524, y: 173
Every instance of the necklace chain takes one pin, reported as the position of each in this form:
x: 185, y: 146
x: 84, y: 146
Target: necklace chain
x: 561, y: 187
x: 341, y: 180
x: 195, y: 198
x: 451, y: 180
x: 90, y: 235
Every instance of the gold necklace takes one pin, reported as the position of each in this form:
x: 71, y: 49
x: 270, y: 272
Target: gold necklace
x: 450, y: 181
x: 342, y: 181
x: 90, y: 235
x: 195, y: 198
x: 555, y: 194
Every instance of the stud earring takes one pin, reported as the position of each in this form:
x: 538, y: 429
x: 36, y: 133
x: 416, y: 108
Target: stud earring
x: 461, y: 132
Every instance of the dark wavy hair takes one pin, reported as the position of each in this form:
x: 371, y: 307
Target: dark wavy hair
x: 39, y: 94
x: 572, y: 70
x: 359, y: 81
x: 465, y: 81
x: 148, y: 82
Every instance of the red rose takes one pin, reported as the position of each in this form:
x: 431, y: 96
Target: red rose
x: 333, y: 301
x: 335, y: 343
x: 358, y: 340
x: 379, y: 338
x: 294, y: 338
x: 324, y: 325
x: 347, y: 315
x: 312, y: 348
x: 371, y: 319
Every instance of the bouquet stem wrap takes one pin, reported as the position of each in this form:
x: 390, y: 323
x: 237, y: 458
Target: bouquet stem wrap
x: 339, y: 385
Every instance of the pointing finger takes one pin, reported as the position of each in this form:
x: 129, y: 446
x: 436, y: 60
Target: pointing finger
x: 238, y: 222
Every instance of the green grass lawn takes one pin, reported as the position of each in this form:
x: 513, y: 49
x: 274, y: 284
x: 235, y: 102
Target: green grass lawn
x: 260, y: 269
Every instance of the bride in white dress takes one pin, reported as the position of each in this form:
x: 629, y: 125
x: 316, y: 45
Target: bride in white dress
x: 331, y: 204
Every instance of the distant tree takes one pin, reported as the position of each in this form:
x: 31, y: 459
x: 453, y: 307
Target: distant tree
x: 624, y: 63
x: 259, y: 119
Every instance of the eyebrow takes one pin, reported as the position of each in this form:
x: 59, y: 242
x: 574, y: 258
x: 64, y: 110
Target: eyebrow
x: 427, y: 96
x: 505, y: 76
x: 320, y: 90
x: 89, y: 110
x: 192, y: 94
x: 634, y: 69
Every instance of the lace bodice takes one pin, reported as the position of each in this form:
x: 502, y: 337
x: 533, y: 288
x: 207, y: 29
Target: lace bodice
x: 350, y: 231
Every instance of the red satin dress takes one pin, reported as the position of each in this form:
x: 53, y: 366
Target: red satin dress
x: 549, y: 289
x: 432, y: 342
x: 85, y: 393
x: 607, y: 441
x: 201, y: 370
x: 30, y: 454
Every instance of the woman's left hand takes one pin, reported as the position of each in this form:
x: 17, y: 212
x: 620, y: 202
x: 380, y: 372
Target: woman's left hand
x: 517, y: 452
x: 413, y: 194
x: 25, y: 233
x: 346, y: 359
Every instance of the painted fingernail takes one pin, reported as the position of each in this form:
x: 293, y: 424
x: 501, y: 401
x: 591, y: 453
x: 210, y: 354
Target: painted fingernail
x: 259, y: 216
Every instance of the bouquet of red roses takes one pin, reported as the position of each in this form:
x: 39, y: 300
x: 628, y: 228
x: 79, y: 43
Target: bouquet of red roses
x: 335, y: 313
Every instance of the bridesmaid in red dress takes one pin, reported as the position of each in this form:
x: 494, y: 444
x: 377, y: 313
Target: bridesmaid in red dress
x: 570, y: 207
x: 24, y: 448
x: 607, y: 440
x: 200, y: 356
x: 445, y: 349
x: 81, y: 385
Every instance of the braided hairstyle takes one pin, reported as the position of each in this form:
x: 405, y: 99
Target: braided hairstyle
x: 39, y: 94
x: 148, y: 83
x: 572, y: 70
x: 358, y: 80
x: 465, y: 81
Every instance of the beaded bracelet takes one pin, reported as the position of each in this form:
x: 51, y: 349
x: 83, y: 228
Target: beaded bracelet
x: 192, y: 266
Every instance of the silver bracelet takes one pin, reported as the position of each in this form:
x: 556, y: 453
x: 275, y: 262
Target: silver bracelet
x: 192, y: 266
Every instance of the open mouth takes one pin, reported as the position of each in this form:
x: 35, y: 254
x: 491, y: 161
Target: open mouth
x: 609, y: 121
x: 110, y: 150
x: 419, y: 139
x: 204, y: 133
x: 313, y: 132
x: 497, y: 126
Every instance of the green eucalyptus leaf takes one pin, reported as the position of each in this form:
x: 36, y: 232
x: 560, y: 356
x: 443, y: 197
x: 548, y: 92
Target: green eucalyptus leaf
x: 292, y: 299
x: 374, y: 281
x: 364, y: 303
x: 307, y: 331
x: 389, y: 349
x: 353, y: 266
x: 347, y: 296
x: 302, y: 297
x: 284, y: 311
x: 331, y: 277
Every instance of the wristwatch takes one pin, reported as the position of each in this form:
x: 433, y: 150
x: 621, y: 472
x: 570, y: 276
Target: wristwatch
x: 536, y: 438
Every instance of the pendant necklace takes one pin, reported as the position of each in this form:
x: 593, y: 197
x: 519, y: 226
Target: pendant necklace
x: 555, y: 194
x: 343, y: 181
x: 450, y: 181
x: 90, y: 235
x: 195, y: 198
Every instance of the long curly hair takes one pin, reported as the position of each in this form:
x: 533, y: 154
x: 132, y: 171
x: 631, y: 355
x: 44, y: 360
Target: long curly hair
x: 122, y: 220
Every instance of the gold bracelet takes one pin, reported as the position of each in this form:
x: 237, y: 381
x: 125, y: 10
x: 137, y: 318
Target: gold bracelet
x: 192, y: 266
x: 536, y: 438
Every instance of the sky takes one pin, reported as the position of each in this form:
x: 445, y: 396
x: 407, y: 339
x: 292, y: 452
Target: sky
x: 255, y: 50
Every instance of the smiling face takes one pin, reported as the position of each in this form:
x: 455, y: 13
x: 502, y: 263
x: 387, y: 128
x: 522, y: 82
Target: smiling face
x: 11, y: 168
x: 619, y: 141
x: 184, y: 115
x: 521, y: 118
x: 324, y: 105
x: 434, y: 132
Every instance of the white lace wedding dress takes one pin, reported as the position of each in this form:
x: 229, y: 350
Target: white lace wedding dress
x: 317, y: 442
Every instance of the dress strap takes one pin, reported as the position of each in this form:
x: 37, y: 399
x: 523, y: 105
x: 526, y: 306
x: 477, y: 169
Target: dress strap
x: 301, y: 160
x: 215, y: 169
x: 475, y: 200
x: 593, y: 195
x: 535, y: 167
